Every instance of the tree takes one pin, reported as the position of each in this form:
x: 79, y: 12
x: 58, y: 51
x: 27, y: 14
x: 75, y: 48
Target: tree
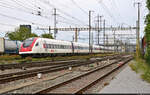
x: 147, y: 33
x: 47, y: 36
x: 21, y: 34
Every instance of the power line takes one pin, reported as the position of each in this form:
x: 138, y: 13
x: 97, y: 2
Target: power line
x: 70, y: 21
x: 116, y: 7
x: 79, y: 7
x: 107, y: 10
x: 18, y: 3
x: 47, y: 3
x: 19, y: 9
x: 22, y: 10
x: 10, y: 6
x: 32, y: 8
x: 19, y: 19
x: 4, y: 24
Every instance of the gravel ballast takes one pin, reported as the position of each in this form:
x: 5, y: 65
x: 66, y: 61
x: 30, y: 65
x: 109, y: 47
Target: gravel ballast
x: 76, y: 72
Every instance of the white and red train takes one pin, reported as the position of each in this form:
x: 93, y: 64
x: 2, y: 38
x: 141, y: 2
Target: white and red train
x: 45, y: 47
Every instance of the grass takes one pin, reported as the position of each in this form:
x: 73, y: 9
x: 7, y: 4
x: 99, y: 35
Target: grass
x: 9, y: 59
x: 141, y: 67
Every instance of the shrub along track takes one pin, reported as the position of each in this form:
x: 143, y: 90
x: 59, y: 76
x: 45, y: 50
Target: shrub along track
x: 82, y: 82
x: 5, y: 78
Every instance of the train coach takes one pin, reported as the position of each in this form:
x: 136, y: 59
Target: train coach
x: 46, y: 47
x: 9, y: 46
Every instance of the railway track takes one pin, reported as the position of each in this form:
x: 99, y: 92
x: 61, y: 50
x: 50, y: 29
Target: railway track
x: 82, y: 82
x: 31, y: 73
x: 35, y: 64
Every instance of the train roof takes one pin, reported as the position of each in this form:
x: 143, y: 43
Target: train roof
x: 53, y: 40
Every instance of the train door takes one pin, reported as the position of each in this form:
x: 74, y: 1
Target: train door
x: 45, y: 46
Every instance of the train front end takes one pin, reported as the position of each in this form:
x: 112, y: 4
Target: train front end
x: 27, y: 46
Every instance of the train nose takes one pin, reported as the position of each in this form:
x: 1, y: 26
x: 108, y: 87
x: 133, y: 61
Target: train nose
x: 28, y: 45
x: 26, y: 49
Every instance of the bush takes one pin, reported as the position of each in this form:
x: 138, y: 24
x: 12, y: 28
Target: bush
x: 133, y: 67
x: 146, y: 75
x: 140, y: 66
x: 29, y: 59
x: 10, y: 57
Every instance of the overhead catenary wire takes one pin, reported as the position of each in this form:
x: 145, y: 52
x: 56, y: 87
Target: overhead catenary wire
x: 31, y: 8
x: 5, y: 5
x: 68, y: 23
x: 115, y: 7
x: 66, y: 19
x: 20, y: 9
x: 107, y: 10
x: 51, y: 5
x: 46, y: 17
x: 11, y: 25
x: 79, y: 7
x: 26, y: 11
x: 19, y: 19
x: 18, y: 3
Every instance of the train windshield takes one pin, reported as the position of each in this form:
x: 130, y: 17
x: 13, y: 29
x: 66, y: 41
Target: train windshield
x: 28, y: 42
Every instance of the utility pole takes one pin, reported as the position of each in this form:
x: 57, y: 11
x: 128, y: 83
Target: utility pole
x: 114, y: 41
x: 76, y: 35
x: 89, y: 31
x: 73, y: 38
x: 98, y: 23
x: 49, y: 30
x: 92, y: 40
x: 138, y: 31
x: 104, y: 34
x: 55, y: 22
x: 107, y: 41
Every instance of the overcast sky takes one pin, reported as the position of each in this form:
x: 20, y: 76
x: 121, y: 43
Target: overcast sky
x: 72, y: 13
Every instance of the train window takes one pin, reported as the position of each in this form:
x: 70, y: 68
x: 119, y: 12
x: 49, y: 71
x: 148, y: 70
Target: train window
x: 49, y: 46
x: 37, y: 44
x: 53, y: 46
x: 56, y: 46
x: 28, y: 42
